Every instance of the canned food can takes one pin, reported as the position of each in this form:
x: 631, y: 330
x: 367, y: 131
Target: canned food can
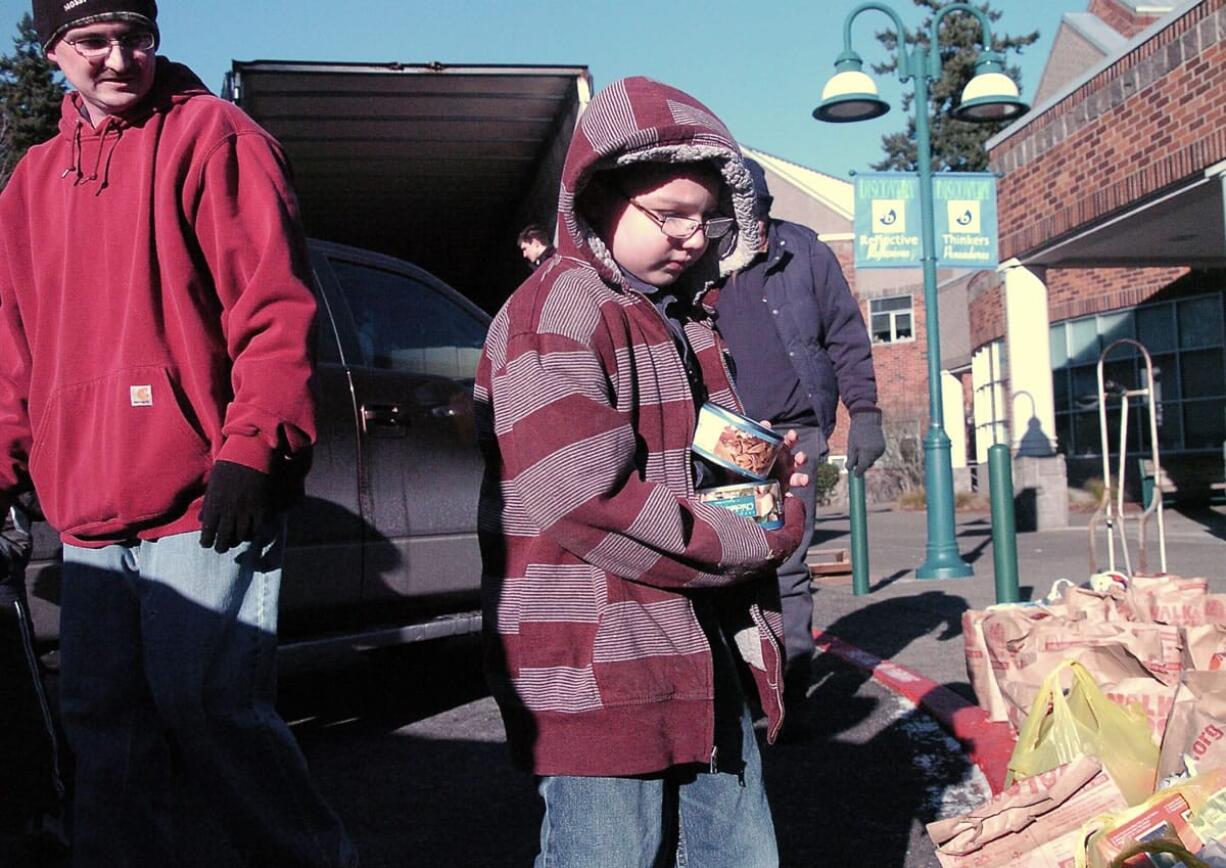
x: 735, y: 442
x: 757, y: 500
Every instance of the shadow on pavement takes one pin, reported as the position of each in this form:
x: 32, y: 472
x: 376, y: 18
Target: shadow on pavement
x: 1211, y: 519
x: 860, y: 790
x: 890, y: 579
x: 378, y: 734
x: 876, y: 768
x: 886, y: 626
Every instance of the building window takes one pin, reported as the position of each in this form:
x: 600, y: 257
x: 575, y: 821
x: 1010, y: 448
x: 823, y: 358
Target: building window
x: 890, y: 319
x: 1186, y: 339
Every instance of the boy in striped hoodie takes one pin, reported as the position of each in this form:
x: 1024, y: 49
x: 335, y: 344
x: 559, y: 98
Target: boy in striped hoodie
x: 615, y: 602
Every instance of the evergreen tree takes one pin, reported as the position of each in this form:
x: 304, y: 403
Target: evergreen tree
x: 30, y: 96
x: 956, y: 145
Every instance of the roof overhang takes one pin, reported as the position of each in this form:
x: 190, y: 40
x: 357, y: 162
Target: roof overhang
x: 1183, y: 226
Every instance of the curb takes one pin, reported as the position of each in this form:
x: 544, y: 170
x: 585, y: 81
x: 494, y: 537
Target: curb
x: 989, y: 744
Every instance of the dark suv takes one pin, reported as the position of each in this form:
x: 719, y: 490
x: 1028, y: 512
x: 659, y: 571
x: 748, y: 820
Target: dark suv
x: 384, y: 549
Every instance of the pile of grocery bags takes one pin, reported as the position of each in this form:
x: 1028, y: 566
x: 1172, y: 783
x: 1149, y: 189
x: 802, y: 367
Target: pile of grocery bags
x: 1117, y: 692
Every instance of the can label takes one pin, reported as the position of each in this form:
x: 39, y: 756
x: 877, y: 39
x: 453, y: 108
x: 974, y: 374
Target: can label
x: 757, y: 501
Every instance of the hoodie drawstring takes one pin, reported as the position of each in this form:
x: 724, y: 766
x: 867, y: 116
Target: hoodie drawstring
x: 107, y: 144
x: 76, y: 156
x: 106, y: 168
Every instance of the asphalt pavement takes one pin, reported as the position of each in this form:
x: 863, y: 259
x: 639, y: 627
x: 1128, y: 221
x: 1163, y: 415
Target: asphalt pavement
x: 410, y: 751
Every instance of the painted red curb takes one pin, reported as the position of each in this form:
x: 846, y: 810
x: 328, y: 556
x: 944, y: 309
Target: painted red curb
x: 989, y: 744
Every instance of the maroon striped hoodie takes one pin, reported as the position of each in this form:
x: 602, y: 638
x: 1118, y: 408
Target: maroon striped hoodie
x: 594, y: 550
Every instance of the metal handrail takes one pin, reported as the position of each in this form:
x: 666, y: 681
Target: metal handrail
x: 1111, y: 505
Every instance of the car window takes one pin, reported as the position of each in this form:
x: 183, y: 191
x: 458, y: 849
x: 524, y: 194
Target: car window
x: 404, y: 324
x: 326, y: 350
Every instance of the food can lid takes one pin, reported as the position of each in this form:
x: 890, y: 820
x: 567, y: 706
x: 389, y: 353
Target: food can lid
x: 743, y: 422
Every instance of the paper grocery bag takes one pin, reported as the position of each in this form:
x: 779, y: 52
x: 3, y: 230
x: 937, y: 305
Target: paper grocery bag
x: 979, y: 667
x: 1196, y: 729
x: 1004, y: 630
x: 1036, y: 823
x: 1113, y: 653
x: 1169, y: 599
x: 1084, y: 604
x: 1204, y: 647
x: 1151, y: 698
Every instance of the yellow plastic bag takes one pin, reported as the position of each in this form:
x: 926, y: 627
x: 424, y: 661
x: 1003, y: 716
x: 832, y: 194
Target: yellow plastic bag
x: 1061, y: 728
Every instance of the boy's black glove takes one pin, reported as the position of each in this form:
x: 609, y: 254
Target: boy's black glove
x: 865, y: 441
x: 235, y: 501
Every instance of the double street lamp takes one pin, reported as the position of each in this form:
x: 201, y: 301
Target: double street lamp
x: 990, y: 95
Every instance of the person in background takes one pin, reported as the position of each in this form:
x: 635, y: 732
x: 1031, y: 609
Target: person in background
x: 799, y: 345
x: 535, y: 245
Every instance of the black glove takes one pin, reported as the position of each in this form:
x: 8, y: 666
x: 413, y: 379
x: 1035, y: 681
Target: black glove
x: 865, y: 441
x: 15, y: 546
x: 235, y: 502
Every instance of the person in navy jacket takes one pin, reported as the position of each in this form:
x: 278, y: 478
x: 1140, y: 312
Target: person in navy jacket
x: 799, y: 345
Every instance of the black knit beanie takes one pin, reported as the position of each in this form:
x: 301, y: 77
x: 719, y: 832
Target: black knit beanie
x: 53, y: 17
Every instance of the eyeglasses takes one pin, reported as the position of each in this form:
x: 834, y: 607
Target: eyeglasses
x: 97, y: 47
x: 683, y: 228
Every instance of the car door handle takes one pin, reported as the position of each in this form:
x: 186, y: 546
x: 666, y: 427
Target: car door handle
x: 384, y: 420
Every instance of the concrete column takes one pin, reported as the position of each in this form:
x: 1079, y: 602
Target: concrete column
x: 1040, y: 480
x: 955, y: 426
x: 1031, y: 404
x: 987, y: 372
x: 955, y: 418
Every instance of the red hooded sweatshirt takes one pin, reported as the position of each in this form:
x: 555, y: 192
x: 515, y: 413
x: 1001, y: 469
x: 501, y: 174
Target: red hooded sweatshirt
x: 596, y: 555
x: 155, y: 313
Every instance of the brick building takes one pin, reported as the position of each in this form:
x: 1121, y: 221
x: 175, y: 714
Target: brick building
x: 1112, y: 215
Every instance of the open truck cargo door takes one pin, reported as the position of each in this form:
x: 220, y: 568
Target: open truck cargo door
x: 436, y: 164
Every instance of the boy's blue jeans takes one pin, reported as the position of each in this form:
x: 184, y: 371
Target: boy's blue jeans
x: 167, y: 640
x: 687, y: 819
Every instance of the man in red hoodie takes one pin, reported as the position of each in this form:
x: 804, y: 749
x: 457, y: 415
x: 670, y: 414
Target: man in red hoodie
x: 155, y: 368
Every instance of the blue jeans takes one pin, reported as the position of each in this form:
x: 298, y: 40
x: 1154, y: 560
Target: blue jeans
x: 167, y: 640
x: 686, y: 817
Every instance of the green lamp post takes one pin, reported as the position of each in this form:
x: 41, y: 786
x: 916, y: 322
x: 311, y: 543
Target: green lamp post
x: 851, y: 95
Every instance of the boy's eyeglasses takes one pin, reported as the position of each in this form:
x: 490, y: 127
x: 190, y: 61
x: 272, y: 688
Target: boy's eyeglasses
x: 683, y: 228
x: 99, y: 47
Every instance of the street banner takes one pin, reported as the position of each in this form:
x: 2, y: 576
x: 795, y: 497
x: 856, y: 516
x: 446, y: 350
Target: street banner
x: 964, y: 204
x: 888, y: 220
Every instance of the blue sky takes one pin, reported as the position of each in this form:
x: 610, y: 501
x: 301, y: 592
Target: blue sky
x: 759, y: 66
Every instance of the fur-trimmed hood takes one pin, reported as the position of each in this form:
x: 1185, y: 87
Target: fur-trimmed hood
x: 637, y: 120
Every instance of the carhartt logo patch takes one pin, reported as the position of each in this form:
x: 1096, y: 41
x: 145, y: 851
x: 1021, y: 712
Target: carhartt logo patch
x: 142, y: 396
